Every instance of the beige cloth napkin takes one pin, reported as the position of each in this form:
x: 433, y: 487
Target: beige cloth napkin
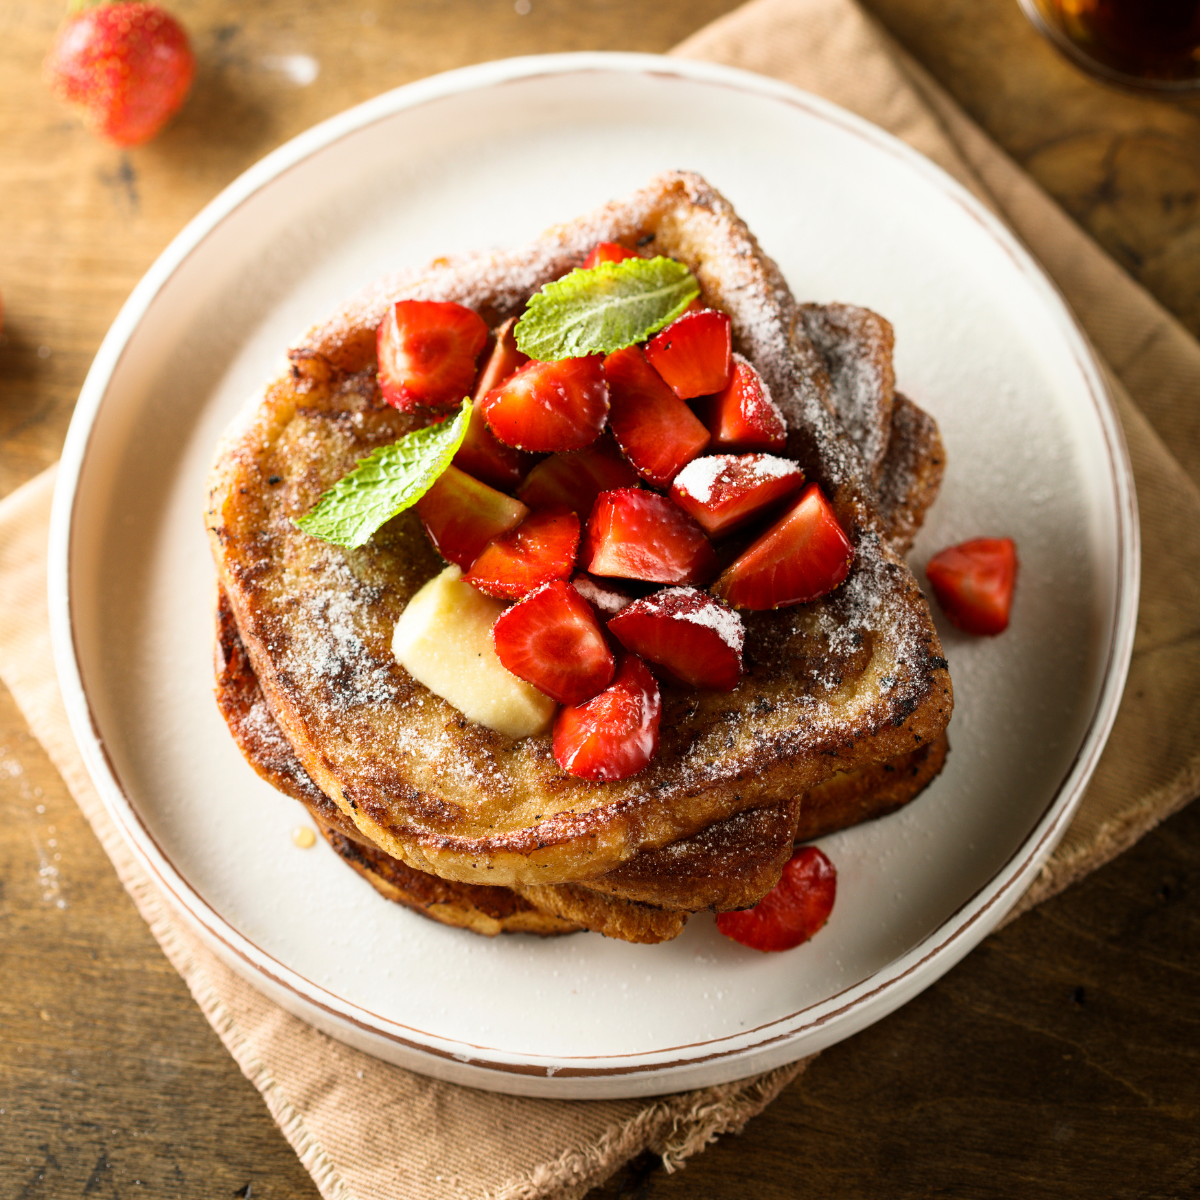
x: 366, y: 1130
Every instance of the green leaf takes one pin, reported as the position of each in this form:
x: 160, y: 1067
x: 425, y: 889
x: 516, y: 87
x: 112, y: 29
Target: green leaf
x: 604, y: 309
x: 385, y: 483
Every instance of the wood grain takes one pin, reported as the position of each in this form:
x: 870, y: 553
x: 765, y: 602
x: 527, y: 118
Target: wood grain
x: 1060, y: 1059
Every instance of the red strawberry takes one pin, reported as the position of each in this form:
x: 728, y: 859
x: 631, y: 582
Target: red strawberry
x: 540, y: 549
x: 606, y: 599
x: 792, y: 911
x: 655, y: 429
x: 548, y: 406
x: 607, y: 252
x: 693, y: 353
x: 575, y: 479
x: 553, y: 640
x: 743, y: 416
x: 698, y: 639
x: 633, y: 534
x: 974, y: 582
x: 427, y: 351
x: 724, y: 491
x: 482, y: 454
x: 802, y: 556
x: 461, y: 515
x: 127, y: 66
x: 615, y: 734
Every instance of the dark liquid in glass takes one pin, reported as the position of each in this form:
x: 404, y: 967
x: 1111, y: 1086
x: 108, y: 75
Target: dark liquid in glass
x: 1152, y: 39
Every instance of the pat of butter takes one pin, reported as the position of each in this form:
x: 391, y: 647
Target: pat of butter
x: 443, y: 639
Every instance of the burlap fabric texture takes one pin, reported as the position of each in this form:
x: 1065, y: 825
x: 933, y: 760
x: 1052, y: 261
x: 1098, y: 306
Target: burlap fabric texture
x: 366, y: 1130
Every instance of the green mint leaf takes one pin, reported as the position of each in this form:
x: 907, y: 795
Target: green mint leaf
x: 604, y: 309
x: 385, y: 483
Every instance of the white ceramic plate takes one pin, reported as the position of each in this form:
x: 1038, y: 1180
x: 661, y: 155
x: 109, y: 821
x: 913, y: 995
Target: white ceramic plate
x: 490, y: 155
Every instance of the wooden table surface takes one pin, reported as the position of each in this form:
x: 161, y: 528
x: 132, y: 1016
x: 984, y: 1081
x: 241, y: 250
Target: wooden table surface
x: 1062, y: 1058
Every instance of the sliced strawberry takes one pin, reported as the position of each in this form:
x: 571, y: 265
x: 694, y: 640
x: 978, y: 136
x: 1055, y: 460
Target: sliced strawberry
x: 553, y: 640
x: 802, y: 556
x: 548, y: 406
x: 615, y: 734
x: 427, y: 351
x: 693, y: 353
x: 461, y: 515
x: 792, y: 911
x: 605, y: 598
x: 633, y: 534
x: 697, y: 638
x: 974, y: 582
x: 657, y: 431
x: 742, y: 416
x: 607, y: 252
x: 482, y: 454
x: 724, y: 491
x: 540, y: 549
x: 574, y: 480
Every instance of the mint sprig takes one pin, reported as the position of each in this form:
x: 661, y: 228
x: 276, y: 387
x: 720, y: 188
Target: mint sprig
x: 385, y: 483
x: 604, y: 309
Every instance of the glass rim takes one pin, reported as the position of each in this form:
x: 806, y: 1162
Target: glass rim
x: 1054, y: 35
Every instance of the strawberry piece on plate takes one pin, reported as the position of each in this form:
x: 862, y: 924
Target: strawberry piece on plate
x: 724, y: 491
x: 974, y: 582
x: 427, y: 351
x: 742, y: 416
x: 540, y: 549
x: 553, y: 640
x: 575, y: 479
x: 693, y: 353
x: 128, y: 67
x: 792, y: 911
x: 634, y: 534
x: 615, y: 734
x: 607, y: 252
x: 697, y: 638
x: 657, y: 431
x: 461, y: 515
x: 482, y: 454
x: 549, y: 406
x: 801, y: 557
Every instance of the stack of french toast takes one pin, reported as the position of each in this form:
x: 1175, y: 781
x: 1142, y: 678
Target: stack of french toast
x: 839, y: 715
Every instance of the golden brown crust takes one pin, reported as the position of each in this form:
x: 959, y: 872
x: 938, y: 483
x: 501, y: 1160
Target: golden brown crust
x: 912, y: 472
x: 852, y: 679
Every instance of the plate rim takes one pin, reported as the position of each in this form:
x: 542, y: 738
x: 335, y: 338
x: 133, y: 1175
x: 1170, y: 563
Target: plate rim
x: 560, y: 1075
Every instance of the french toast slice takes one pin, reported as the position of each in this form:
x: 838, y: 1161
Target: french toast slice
x: 730, y: 865
x: 854, y: 679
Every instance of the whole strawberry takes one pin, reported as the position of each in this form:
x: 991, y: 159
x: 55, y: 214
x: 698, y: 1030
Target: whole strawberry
x: 128, y: 68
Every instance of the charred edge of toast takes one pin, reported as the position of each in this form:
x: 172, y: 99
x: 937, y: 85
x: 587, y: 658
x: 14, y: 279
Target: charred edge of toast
x: 910, y: 708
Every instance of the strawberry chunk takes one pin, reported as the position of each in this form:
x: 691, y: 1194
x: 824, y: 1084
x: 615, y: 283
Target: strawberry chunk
x: 657, y: 431
x: 461, y: 515
x: 802, y: 556
x: 482, y: 454
x: 742, y: 416
x: 615, y: 734
x: 575, y: 479
x: 553, y: 640
x: 693, y: 353
x: 605, y: 598
x: 549, y: 406
x: 792, y: 911
x: 427, y: 351
x: 974, y: 582
x: 607, y: 252
x: 540, y: 549
x: 698, y: 639
x: 724, y: 491
x: 633, y: 534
